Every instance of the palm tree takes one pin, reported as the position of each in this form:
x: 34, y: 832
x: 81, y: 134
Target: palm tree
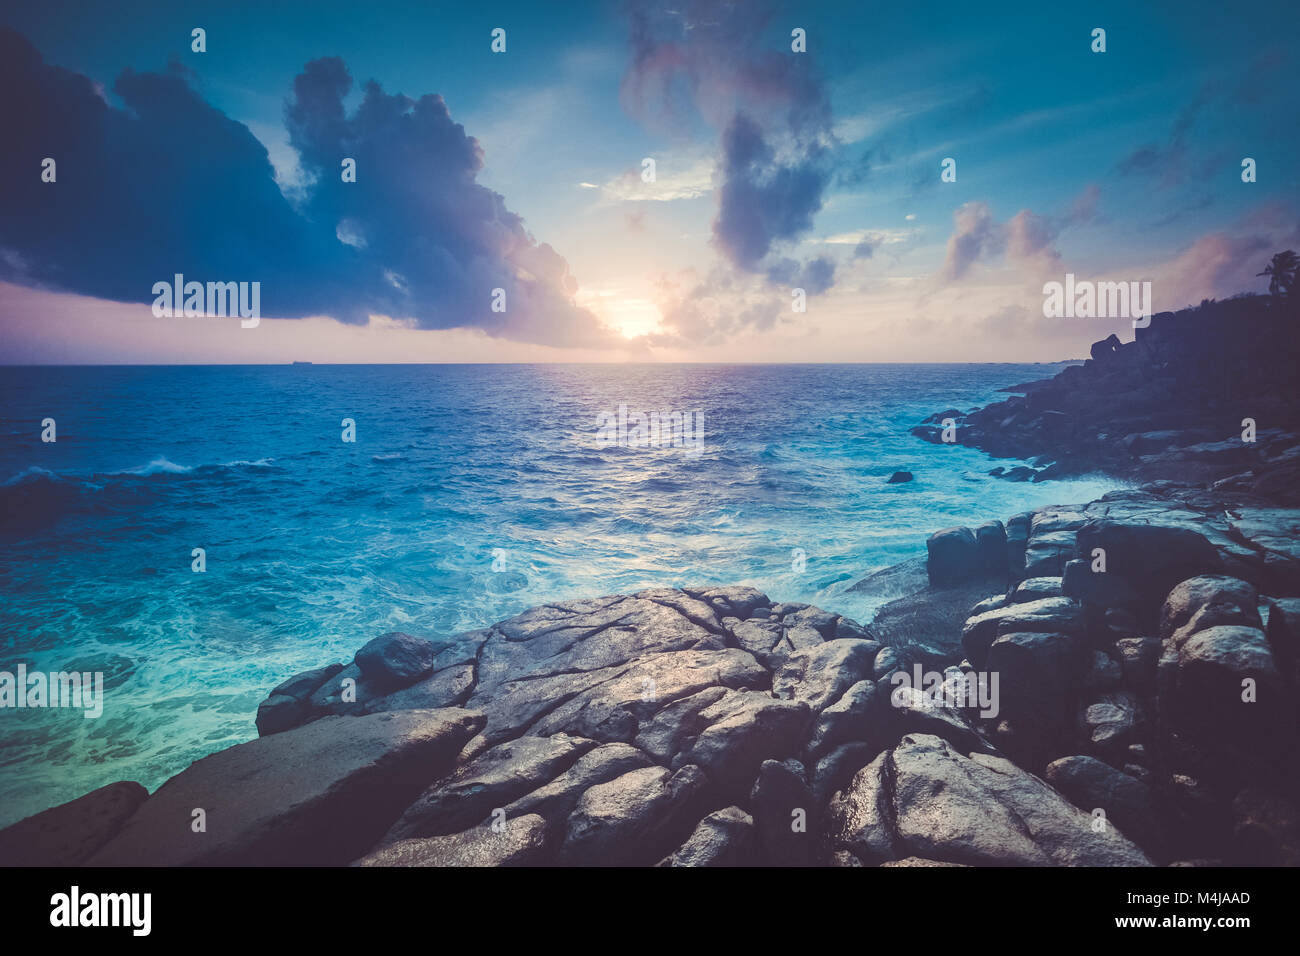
x: 1281, y: 272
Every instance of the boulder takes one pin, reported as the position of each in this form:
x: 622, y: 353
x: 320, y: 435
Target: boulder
x: 1151, y: 557
x: 1038, y: 675
x: 1217, y: 598
x: 1218, y: 681
x: 952, y: 557
x: 635, y: 819
x: 858, y: 715
x: 1091, y: 785
x: 819, y: 675
x: 317, y: 795
x: 784, y: 814
x: 1099, y: 589
x: 279, y: 713
x: 492, y: 779
x: 555, y: 800
x: 68, y: 834
x: 396, y: 659
x: 1112, y: 721
x: 723, y: 838
x: 924, y: 798
x: 515, y: 841
x: 899, y: 477
x: 742, y: 729
x: 1035, y: 589
x: 1050, y: 615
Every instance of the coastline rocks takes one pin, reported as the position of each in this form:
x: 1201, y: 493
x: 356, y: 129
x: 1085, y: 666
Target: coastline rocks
x: 723, y: 838
x: 856, y: 716
x: 396, y: 659
x: 288, y: 704
x: 925, y: 799
x: 635, y: 819
x: 666, y: 728
x: 1142, y: 409
x: 784, y: 814
x: 820, y: 674
x: 1038, y: 672
x: 1218, y: 681
x: 1091, y: 784
x: 1059, y: 614
x: 957, y: 555
x: 519, y: 841
x: 492, y: 779
x: 318, y: 795
x: 742, y: 729
x: 68, y: 834
x: 1152, y: 558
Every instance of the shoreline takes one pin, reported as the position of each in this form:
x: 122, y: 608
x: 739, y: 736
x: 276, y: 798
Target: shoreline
x: 682, y: 726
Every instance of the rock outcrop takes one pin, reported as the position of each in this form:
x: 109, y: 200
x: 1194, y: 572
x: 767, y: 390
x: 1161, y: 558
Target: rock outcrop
x: 1171, y: 404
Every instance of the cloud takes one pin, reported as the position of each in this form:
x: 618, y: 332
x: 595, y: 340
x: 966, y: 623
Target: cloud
x: 975, y: 236
x: 1225, y: 262
x: 763, y: 200
x: 1029, y: 242
x: 814, y: 277
x: 171, y: 184
x: 1168, y: 158
x: 686, y: 177
x: 711, y: 59
x: 708, y: 311
x: 1027, y: 239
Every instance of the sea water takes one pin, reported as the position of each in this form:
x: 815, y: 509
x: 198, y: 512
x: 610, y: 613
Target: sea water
x: 468, y: 494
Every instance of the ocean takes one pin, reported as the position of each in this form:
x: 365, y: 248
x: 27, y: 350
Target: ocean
x: 470, y: 493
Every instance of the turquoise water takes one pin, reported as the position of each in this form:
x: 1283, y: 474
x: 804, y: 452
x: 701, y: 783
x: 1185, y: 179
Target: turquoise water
x: 470, y: 493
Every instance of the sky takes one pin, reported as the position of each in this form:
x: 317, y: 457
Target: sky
x: 501, y: 209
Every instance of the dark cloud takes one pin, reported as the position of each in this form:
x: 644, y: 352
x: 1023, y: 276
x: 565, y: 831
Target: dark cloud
x: 171, y: 184
x: 770, y: 105
x: 814, y: 276
x: 763, y: 200
x: 859, y: 172
x: 1166, y: 160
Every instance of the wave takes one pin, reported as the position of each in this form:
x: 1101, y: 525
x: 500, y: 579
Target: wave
x: 29, y: 475
x: 159, y: 466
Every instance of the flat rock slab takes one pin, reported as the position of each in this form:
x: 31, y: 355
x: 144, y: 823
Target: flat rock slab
x: 319, y: 795
x: 516, y: 842
x: 65, y: 835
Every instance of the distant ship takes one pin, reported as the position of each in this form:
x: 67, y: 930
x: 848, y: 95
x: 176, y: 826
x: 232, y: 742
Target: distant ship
x: 302, y: 363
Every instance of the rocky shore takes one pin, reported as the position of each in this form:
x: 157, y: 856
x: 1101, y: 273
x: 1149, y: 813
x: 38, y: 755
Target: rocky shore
x: 1171, y: 404
x: 1111, y: 683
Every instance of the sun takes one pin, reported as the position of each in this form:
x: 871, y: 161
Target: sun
x: 629, y: 315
